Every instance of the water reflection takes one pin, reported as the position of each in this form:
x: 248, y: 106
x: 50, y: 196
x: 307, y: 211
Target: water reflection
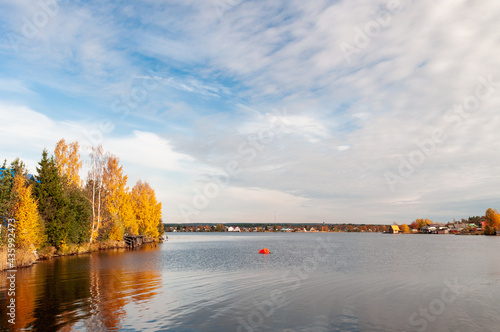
x: 83, y: 292
x: 363, y: 282
x: 25, y: 298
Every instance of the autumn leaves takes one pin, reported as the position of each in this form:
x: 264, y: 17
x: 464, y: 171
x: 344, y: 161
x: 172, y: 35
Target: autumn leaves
x: 116, y: 210
x: 24, y: 209
x: 58, y: 208
x: 492, y: 222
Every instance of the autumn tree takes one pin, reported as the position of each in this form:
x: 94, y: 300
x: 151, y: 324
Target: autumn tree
x: 492, y: 221
x: 68, y: 161
x: 117, y: 201
x: 7, y: 180
x: 404, y: 228
x: 422, y: 222
x: 147, y: 210
x: 24, y: 209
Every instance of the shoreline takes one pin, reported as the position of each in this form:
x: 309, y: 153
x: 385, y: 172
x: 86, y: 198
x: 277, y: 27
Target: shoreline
x: 26, y: 258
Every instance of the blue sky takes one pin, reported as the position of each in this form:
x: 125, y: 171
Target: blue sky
x: 335, y: 111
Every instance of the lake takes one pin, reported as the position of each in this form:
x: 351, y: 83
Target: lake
x: 309, y: 282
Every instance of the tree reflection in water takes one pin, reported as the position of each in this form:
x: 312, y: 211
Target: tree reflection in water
x: 87, y: 292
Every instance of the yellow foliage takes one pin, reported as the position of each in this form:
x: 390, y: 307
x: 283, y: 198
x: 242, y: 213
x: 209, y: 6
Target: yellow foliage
x: 404, y: 228
x: 117, y: 200
x: 63, y: 248
x: 127, y: 212
x: 147, y: 210
x: 493, y: 218
x: 24, y: 209
x: 68, y: 161
x: 422, y: 222
x: 116, y: 233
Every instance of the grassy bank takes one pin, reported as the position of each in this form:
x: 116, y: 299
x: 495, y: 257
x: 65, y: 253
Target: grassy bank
x: 26, y: 258
x: 23, y: 258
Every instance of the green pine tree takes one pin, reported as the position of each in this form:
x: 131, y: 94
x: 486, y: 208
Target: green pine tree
x: 52, y: 202
x: 64, y: 207
x: 5, y: 188
x: 18, y: 166
x: 80, y: 215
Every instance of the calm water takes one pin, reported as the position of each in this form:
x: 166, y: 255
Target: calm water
x: 310, y: 282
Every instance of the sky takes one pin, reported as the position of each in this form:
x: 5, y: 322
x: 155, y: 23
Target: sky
x: 255, y: 111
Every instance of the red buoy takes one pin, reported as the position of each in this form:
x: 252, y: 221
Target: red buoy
x: 264, y: 251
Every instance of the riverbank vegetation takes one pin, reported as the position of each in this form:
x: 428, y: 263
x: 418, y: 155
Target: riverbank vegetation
x: 489, y: 224
x: 278, y: 227
x: 56, y: 212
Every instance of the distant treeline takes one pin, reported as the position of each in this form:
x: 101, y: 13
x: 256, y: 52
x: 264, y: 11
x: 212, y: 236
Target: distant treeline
x: 55, y: 207
x: 489, y: 225
x: 263, y: 227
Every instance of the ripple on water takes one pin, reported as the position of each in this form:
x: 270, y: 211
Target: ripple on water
x: 360, y: 282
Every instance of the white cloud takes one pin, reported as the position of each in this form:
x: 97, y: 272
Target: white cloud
x: 347, y: 124
x: 147, y: 150
x: 24, y: 133
x: 280, y: 123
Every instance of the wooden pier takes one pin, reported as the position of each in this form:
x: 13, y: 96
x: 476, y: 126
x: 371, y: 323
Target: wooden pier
x: 136, y: 241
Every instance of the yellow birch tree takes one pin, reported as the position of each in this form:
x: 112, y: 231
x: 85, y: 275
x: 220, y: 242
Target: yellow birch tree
x: 68, y: 161
x: 147, y: 210
x: 117, y: 200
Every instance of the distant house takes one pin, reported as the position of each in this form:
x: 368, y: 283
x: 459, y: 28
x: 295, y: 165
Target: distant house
x: 394, y: 229
x: 473, y: 227
x: 230, y: 229
x: 432, y: 228
x: 457, y: 227
x: 443, y: 230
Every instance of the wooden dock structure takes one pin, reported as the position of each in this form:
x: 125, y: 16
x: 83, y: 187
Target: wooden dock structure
x: 136, y: 241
